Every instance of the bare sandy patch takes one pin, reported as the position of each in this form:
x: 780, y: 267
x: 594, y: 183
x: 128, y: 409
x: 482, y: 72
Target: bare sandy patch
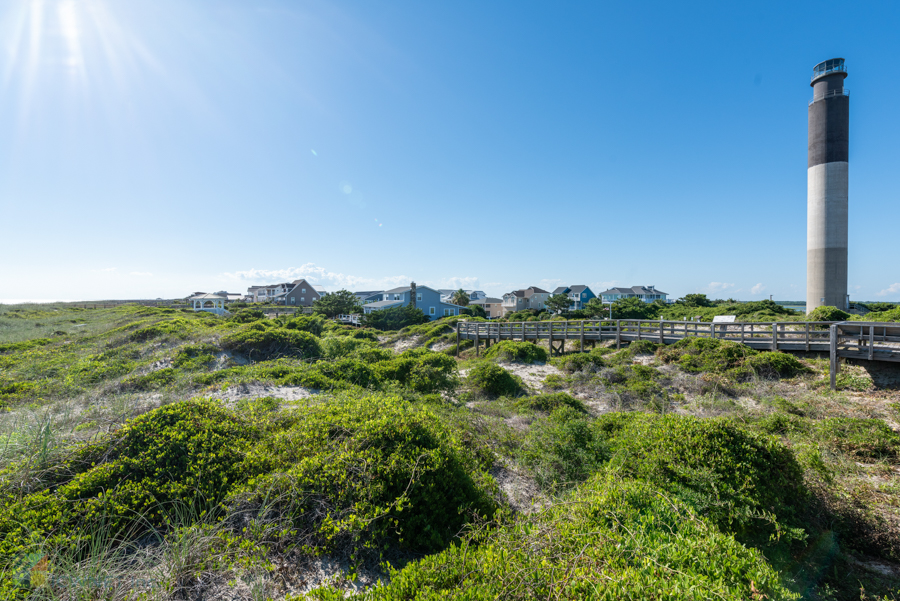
x: 533, y: 375
x: 240, y: 392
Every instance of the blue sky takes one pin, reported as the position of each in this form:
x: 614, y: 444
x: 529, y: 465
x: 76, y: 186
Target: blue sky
x: 153, y: 148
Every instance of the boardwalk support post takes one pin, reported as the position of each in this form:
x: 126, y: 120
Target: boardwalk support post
x: 618, y: 334
x: 458, y: 328
x: 834, y: 366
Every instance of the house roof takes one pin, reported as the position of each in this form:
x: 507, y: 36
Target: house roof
x: 486, y: 301
x: 368, y: 292
x: 536, y: 289
x: 383, y: 304
x: 202, y: 296
x: 634, y: 290
x: 400, y: 289
x: 407, y: 289
x: 561, y: 290
x: 578, y: 288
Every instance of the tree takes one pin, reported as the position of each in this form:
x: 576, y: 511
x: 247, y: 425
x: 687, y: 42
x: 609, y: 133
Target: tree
x: 475, y: 311
x: 596, y: 308
x: 394, y: 318
x: 558, y: 303
x: 342, y: 302
x: 634, y: 308
x: 695, y: 300
x: 460, y: 298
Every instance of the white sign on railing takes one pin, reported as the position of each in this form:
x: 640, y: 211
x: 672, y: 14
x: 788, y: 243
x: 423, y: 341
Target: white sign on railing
x: 724, y: 318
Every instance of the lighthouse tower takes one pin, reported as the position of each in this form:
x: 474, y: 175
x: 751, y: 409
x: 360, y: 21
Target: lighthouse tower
x: 826, y: 200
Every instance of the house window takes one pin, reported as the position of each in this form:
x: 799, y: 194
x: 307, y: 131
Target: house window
x: 446, y: 312
x: 431, y: 311
x: 292, y: 300
x: 303, y: 291
x: 418, y: 296
x: 302, y: 299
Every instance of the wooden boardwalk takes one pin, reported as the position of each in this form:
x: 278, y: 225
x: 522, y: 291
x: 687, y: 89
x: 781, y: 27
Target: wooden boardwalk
x: 870, y: 341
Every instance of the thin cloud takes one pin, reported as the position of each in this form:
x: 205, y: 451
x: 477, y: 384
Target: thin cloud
x: 141, y: 274
x: 757, y: 289
x: 719, y: 286
x: 892, y: 289
x: 316, y: 275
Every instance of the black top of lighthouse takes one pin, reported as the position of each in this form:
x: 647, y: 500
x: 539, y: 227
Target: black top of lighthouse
x: 833, y: 66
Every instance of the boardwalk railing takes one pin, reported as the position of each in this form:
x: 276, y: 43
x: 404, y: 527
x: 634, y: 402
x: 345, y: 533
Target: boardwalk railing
x: 872, y: 341
x: 352, y: 319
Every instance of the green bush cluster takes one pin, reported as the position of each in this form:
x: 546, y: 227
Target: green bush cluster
x: 748, y: 484
x: 314, y: 324
x: 194, y: 356
x: 169, y: 328
x: 491, y: 379
x: 863, y: 439
x: 394, y: 318
x: 370, y: 469
x: 550, y: 401
x: 18, y: 347
x: 826, y: 313
x: 563, y: 449
x: 263, y: 344
x: 886, y: 315
x: 642, y: 544
x: 420, y: 369
x: 523, y: 352
x: 152, y: 381
x: 579, y: 361
x: 729, y: 358
x: 247, y: 316
x: 357, y: 472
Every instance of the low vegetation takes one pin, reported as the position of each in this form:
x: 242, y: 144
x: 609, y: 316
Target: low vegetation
x: 151, y: 453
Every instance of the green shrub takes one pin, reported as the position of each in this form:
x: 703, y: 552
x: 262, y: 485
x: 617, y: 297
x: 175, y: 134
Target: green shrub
x: 394, y: 318
x: 422, y: 370
x: 493, y: 380
x: 194, y: 356
x: 554, y: 381
x: 551, y: 401
x: 177, y: 327
x: 617, y: 539
x: 726, y: 473
x: 247, y: 316
x: 11, y: 392
x: 769, y: 364
x: 826, y: 313
x: 879, y: 307
x: 739, y: 362
x: 152, y: 381
x: 356, y: 333
x: 579, y: 361
x: 314, y: 324
x: 186, y: 455
x: 642, y: 347
x: 352, y: 371
x: 364, y: 470
x: 93, y: 369
x: 563, y: 449
x: 25, y: 345
x: 859, y: 383
x: 863, y: 439
x: 265, y: 344
x: 524, y: 352
x: 335, y: 347
x: 888, y: 315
